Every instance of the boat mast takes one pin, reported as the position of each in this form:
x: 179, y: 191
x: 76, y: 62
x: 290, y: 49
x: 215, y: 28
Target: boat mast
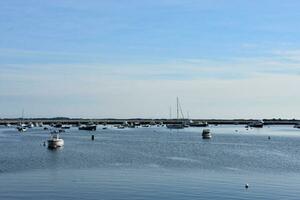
x: 177, y: 105
x: 22, y: 119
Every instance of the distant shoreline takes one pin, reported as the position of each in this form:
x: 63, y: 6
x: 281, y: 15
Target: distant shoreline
x: 145, y: 121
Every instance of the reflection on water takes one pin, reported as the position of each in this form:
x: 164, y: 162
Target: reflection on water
x: 152, y: 163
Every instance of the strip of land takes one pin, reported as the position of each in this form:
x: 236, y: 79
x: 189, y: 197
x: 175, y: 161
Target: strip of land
x: 15, y: 121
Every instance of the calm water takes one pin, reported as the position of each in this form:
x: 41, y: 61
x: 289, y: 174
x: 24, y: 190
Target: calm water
x: 152, y: 163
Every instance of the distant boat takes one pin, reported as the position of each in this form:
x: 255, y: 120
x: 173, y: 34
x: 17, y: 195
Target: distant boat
x: 30, y: 125
x: 57, y: 125
x: 206, y: 134
x: 65, y: 127
x: 55, y: 141
x: 297, y: 126
x: 61, y: 130
x: 131, y: 125
x: 88, y: 127
x: 21, y: 128
x: 256, y: 124
x: 178, y: 124
x: 175, y: 126
x: 198, y: 124
x: 120, y: 127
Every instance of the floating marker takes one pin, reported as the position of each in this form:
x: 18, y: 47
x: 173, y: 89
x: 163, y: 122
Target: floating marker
x: 247, y: 186
x: 93, y: 137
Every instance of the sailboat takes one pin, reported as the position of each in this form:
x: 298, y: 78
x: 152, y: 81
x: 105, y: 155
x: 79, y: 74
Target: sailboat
x: 22, y: 127
x: 178, y: 124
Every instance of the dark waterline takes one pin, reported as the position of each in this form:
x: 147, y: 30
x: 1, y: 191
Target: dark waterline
x: 152, y: 163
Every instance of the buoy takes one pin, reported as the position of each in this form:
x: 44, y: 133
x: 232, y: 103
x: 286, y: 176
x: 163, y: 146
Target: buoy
x: 44, y: 144
x: 93, y: 137
x: 247, y: 186
x: 269, y: 137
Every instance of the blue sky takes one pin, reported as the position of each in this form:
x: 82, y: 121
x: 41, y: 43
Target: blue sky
x: 223, y: 58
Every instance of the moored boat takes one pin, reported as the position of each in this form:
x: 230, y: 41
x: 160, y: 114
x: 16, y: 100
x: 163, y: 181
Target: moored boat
x: 206, y: 134
x: 175, y: 126
x: 21, y: 128
x: 256, y: 124
x: 178, y: 123
x: 88, y: 127
x: 55, y: 141
x: 297, y: 126
x: 198, y: 124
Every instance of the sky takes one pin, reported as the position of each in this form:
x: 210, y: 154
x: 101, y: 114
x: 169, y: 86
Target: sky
x: 132, y: 58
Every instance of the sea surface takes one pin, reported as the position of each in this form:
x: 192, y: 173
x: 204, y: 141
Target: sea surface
x: 152, y: 163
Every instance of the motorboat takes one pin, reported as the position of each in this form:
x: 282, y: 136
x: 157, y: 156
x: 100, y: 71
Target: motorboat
x: 206, y: 134
x: 88, y: 127
x: 65, y: 127
x: 297, y: 126
x: 54, y: 141
x: 21, y: 128
x: 57, y: 125
x: 30, y: 125
x: 121, y: 127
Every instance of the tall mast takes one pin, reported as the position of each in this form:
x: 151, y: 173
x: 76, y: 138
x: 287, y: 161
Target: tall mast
x: 177, y: 101
x: 22, y: 120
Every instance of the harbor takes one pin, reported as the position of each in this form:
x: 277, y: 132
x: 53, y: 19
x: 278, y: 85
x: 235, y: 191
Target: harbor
x: 175, y: 163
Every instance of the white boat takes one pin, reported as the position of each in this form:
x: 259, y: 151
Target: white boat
x: 55, y: 141
x: 121, y: 127
x: 22, y: 128
x: 206, y: 134
x: 30, y: 125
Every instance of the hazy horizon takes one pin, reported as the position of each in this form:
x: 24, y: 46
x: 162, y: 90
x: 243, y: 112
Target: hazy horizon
x: 131, y: 59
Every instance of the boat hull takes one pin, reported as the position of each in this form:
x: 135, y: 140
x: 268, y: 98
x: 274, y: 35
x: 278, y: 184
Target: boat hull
x: 175, y: 126
x: 55, y: 143
x: 88, y: 128
x: 206, y: 134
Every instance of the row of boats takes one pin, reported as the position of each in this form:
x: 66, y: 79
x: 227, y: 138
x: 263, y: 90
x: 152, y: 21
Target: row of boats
x: 175, y: 125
